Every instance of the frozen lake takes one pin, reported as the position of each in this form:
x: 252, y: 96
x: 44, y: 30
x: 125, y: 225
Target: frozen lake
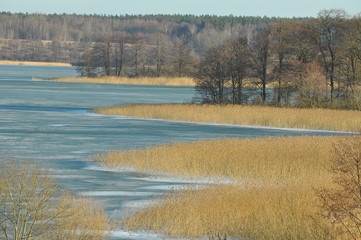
x: 49, y: 122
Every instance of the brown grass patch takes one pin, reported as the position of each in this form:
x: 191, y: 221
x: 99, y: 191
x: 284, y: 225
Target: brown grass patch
x: 321, y: 119
x: 167, y: 81
x: 55, y: 64
x: 278, y: 201
x: 242, y: 212
x: 278, y: 159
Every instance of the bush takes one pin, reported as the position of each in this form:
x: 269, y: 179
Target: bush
x: 32, y: 207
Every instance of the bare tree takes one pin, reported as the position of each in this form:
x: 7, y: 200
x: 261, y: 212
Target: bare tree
x: 238, y: 57
x: 350, y: 64
x: 312, y: 86
x: 328, y: 37
x: 342, y: 203
x: 159, y: 53
x: 181, y: 57
x: 120, y: 39
x: 260, y: 60
x: 138, y: 47
x: 212, y: 76
x: 283, y: 37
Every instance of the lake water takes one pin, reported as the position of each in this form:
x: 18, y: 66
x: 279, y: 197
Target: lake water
x: 50, y: 123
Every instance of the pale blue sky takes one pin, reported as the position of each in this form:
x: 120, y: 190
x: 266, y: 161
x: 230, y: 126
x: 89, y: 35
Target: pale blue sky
x: 282, y: 8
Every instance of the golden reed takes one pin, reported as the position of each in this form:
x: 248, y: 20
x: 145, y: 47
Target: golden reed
x: 320, y: 119
x: 167, y: 81
x: 56, y: 64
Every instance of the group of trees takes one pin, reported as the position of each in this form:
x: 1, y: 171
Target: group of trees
x: 123, y: 54
x: 320, y: 59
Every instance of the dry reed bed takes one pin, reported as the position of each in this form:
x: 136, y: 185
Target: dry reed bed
x: 276, y: 159
x: 320, y: 119
x: 248, y: 212
x: 135, y: 81
x: 55, y: 64
x: 278, y: 202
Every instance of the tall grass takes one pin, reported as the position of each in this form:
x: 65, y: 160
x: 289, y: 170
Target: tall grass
x: 278, y: 201
x: 242, y: 212
x: 278, y: 159
x: 137, y: 81
x: 321, y: 119
x: 56, y: 64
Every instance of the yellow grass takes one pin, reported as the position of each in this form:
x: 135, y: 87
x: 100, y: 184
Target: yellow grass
x: 278, y: 200
x: 242, y: 212
x: 135, y: 81
x: 322, y: 119
x: 279, y: 159
x: 56, y: 64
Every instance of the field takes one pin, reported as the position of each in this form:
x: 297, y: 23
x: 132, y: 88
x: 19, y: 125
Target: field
x: 55, y: 64
x: 138, y: 81
x: 320, y: 119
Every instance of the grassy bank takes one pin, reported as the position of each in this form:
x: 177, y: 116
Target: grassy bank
x: 56, y: 64
x: 135, y: 81
x: 322, y: 119
x: 280, y: 159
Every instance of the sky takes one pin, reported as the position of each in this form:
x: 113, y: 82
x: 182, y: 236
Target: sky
x: 270, y: 8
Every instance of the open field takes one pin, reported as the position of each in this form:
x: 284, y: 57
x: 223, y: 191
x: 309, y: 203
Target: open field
x: 55, y: 64
x: 138, y: 81
x: 320, y: 119
x: 279, y: 159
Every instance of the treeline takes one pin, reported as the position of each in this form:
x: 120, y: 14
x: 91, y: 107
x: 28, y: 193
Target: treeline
x: 310, y: 61
x: 41, y: 37
x: 315, y: 63
x: 42, y: 50
x: 72, y: 27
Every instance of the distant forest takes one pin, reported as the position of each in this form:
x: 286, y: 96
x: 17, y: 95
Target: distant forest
x: 316, y: 59
x: 64, y: 37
